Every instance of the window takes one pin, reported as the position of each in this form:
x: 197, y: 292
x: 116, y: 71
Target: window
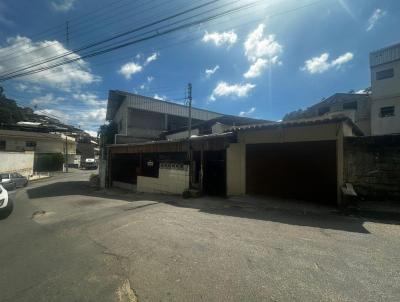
x: 2, y: 145
x: 323, y: 110
x: 385, y: 74
x: 30, y: 144
x: 350, y: 106
x: 387, y: 111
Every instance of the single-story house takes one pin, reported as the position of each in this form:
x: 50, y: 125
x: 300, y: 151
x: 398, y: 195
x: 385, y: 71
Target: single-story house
x: 297, y: 159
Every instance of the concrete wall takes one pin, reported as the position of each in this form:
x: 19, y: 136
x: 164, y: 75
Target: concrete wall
x: 236, y: 169
x: 385, y: 125
x: 169, y: 181
x: 386, y: 87
x: 292, y: 134
x: 120, y: 118
x: 43, y: 145
x: 17, y: 162
x: 372, y: 164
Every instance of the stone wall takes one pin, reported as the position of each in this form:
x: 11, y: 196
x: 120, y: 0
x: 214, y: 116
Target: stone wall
x: 372, y: 165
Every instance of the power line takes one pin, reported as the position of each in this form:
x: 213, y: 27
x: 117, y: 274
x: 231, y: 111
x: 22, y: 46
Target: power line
x: 12, y: 55
x: 75, y: 51
x: 60, y: 28
x: 157, y: 34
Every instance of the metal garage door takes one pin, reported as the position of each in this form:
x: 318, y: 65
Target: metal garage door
x: 305, y: 170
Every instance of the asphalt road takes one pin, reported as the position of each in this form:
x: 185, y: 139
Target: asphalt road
x: 65, y: 241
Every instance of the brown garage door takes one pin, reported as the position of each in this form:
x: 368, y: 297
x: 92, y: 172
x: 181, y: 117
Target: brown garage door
x: 305, y: 170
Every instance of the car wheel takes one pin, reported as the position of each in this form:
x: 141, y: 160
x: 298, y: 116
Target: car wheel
x: 10, y: 206
x: 5, y: 212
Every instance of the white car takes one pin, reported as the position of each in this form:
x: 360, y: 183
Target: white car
x: 6, y: 204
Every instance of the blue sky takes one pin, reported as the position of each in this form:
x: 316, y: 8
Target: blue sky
x: 276, y: 57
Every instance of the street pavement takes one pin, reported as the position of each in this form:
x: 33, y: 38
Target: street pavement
x: 67, y: 241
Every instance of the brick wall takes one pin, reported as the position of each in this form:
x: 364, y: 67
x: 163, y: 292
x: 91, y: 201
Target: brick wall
x: 372, y: 165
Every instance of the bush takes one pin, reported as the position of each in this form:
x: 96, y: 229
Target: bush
x: 48, y: 162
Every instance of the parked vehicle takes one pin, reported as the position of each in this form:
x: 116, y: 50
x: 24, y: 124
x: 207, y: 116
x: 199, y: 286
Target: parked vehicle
x: 13, y: 180
x: 89, y: 163
x: 6, y: 182
x: 6, y: 204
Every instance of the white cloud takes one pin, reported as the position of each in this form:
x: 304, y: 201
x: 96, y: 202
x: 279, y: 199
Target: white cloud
x: 210, y: 72
x: 63, y: 5
x: 343, y: 59
x: 91, y: 133
x: 150, y: 79
x: 248, y: 112
x: 257, y: 46
x: 226, y: 37
x: 317, y: 64
x: 321, y: 64
x: 375, y: 17
x: 160, y: 97
x: 151, y: 58
x: 261, y: 52
x: 90, y: 118
x: 65, y: 77
x: 47, y: 100
x: 235, y: 90
x: 95, y: 115
x: 89, y: 99
x: 256, y: 69
x: 129, y: 69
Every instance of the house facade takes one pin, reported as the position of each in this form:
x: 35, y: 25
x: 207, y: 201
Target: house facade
x: 25, y: 151
x: 273, y: 159
x: 385, y: 83
x: 141, y: 118
x: 375, y: 112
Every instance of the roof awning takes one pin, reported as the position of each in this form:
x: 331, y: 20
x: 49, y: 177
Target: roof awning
x: 213, y: 142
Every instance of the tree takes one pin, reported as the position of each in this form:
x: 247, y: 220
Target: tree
x: 10, y: 113
x: 106, y: 133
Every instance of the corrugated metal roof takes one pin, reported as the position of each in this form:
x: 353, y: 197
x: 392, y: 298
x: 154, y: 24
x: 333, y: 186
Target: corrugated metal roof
x: 385, y: 55
x: 301, y: 122
x: 116, y: 98
x: 205, y: 142
x: 29, y: 134
x: 342, y: 98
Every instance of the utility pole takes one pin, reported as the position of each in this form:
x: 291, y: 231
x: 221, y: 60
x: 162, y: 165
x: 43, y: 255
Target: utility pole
x: 189, y: 155
x: 190, y: 109
x: 66, y: 153
x: 67, y: 33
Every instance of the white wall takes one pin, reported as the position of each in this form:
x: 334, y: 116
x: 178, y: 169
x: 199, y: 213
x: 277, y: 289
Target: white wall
x: 169, y: 181
x: 17, y: 162
x: 43, y: 145
x: 386, y: 87
x: 385, y: 125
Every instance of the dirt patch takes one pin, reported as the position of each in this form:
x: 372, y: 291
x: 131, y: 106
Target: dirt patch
x: 38, y: 214
x: 125, y: 293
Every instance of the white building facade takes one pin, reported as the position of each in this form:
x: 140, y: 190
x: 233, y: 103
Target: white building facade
x: 385, y: 84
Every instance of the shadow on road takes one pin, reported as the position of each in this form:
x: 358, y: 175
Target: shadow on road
x: 260, y: 210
